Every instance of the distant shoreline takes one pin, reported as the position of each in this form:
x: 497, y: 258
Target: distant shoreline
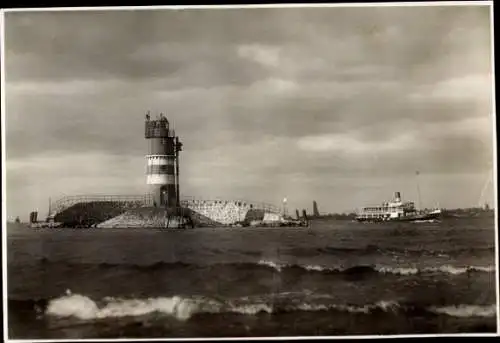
x: 447, y: 213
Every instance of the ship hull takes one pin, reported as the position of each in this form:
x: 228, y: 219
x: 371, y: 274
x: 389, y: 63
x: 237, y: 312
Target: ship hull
x: 408, y: 218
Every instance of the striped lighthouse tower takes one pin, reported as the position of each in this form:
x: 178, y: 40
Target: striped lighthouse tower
x: 162, y: 162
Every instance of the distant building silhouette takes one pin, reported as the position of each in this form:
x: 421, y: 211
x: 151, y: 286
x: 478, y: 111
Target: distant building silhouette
x: 18, y: 220
x: 304, y: 214
x: 33, y: 217
x: 297, y: 213
x: 315, y: 209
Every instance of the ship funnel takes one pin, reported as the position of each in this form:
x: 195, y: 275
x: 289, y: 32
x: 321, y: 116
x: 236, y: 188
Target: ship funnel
x: 397, y: 196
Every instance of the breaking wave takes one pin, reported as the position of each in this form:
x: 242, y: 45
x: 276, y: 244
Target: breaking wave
x: 84, y: 308
x: 447, y: 269
x: 467, y: 310
x: 268, y: 265
x: 370, y: 248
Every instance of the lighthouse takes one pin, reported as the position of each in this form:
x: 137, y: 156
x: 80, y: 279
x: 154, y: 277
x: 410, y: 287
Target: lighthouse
x: 162, y: 160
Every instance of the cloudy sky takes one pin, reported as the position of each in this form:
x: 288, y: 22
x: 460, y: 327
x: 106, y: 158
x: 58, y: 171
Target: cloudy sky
x: 337, y: 105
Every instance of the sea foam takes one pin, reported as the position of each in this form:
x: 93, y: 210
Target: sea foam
x: 467, y: 310
x: 82, y: 307
x: 182, y: 308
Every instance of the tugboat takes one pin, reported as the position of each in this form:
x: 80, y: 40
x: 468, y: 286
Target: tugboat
x: 396, y: 210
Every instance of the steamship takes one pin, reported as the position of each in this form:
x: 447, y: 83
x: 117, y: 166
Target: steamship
x: 396, y: 210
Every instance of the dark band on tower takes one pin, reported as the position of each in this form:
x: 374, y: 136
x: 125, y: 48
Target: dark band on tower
x: 162, y: 162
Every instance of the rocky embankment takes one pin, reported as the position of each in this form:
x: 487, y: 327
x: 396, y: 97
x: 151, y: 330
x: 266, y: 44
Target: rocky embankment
x: 153, y: 217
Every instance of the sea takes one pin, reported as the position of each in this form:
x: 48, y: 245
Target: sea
x: 336, y: 277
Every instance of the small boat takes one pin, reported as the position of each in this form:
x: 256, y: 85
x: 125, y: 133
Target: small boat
x: 396, y: 210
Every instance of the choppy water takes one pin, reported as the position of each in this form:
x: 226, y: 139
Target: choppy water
x: 337, y: 278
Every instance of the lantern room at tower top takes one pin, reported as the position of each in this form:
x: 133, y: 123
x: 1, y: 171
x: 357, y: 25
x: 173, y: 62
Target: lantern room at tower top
x: 162, y: 161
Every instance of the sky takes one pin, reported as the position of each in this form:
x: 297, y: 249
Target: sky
x: 337, y: 105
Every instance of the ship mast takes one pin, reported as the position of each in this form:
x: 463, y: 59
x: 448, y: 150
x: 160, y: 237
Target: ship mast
x: 417, y: 173
x: 486, y: 184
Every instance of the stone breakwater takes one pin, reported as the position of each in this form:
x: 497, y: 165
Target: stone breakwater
x: 222, y: 212
x: 202, y: 214
x: 152, y: 217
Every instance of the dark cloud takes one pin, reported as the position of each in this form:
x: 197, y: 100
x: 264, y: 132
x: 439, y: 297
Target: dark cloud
x: 103, y: 44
